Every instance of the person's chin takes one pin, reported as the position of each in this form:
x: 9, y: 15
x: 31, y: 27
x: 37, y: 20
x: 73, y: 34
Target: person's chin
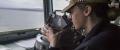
x: 77, y: 28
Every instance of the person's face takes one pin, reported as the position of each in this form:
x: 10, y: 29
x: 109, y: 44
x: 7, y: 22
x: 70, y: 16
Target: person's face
x: 78, y: 17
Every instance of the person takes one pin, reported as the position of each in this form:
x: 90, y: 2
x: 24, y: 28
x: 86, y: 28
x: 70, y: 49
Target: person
x: 99, y: 33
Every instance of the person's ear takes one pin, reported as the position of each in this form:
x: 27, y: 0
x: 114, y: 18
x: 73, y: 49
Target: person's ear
x: 87, y: 11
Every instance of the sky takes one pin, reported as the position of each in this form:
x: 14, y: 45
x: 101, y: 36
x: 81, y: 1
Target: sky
x: 21, y: 3
x: 60, y: 4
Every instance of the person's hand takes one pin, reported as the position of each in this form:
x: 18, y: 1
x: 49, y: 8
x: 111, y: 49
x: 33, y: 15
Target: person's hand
x: 51, y: 36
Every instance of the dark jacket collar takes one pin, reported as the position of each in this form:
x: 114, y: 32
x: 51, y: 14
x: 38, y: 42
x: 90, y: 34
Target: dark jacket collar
x: 96, y: 30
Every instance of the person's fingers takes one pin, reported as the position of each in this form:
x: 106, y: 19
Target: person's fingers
x: 50, y: 36
x: 47, y: 31
x: 46, y: 26
x: 44, y: 31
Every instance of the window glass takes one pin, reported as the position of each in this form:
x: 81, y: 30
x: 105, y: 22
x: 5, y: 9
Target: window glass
x: 60, y: 4
x: 21, y: 14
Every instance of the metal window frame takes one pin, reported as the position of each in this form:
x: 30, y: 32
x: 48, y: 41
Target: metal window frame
x: 48, y: 9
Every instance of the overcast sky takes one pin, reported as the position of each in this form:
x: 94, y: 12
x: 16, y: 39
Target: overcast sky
x: 57, y: 4
x: 21, y: 3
